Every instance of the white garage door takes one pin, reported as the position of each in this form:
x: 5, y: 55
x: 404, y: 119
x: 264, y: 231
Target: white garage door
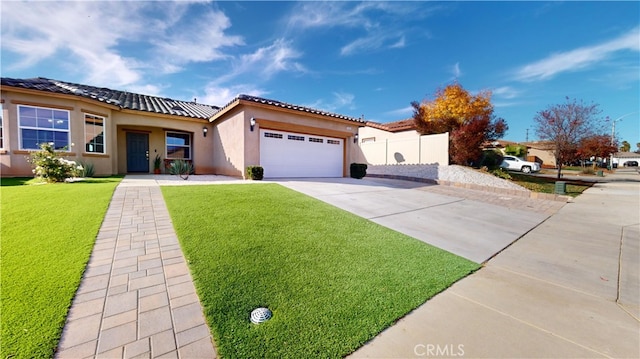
x: 287, y: 154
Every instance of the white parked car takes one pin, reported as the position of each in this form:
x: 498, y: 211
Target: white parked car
x: 514, y: 163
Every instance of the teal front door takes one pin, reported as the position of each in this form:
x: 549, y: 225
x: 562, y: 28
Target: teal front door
x: 137, y: 152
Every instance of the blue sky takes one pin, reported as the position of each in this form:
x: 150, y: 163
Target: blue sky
x: 353, y: 58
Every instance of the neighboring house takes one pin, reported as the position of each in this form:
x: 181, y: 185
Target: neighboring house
x: 122, y: 132
x: 543, y: 151
x: 399, y: 143
x: 619, y: 158
x: 537, y: 151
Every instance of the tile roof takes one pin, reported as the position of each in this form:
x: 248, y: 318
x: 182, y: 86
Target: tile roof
x: 626, y: 154
x: 289, y: 106
x: 397, y: 126
x: 122, y: 99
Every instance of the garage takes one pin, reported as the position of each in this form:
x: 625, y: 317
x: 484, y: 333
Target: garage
x: 289, y: 154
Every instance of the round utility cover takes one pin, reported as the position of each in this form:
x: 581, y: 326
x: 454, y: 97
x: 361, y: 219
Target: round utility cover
x: 260, y: 315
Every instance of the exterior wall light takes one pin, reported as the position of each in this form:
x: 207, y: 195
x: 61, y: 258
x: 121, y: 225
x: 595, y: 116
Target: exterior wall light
x: 204, y: 131
x: 252, y: 123
x: 355, y: 138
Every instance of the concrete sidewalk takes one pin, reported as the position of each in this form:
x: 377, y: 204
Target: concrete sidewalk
x: 569, y: 288
x: 136, y: 298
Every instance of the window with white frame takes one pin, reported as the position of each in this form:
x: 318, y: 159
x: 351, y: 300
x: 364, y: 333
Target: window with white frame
x: 94, y: 141
x: 43, y: 125
x: 178, y: 145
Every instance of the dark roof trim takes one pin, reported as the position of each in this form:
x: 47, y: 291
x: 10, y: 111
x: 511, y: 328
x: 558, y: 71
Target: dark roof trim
x: 121, y: 99
x: 263, y: 101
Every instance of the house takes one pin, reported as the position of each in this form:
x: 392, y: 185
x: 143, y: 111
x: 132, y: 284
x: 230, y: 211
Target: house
x: 537, y: 151
x: 400, y: 143
x: 620, y: 158
x: 121, y: 132
x: 544, y: 151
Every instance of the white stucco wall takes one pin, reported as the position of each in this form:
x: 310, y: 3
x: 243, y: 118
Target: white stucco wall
x: 379, y: 147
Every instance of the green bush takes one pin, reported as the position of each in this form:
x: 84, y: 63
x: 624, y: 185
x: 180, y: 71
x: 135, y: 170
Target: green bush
x: 358, y: 170
x: 502, y: 173
x: 491, y: 159
x: 587, y: 170
x: 255, y: 173
x: 88, y: 169
x: 50, y: 166
x: 181, y: 168
x: 516, y: 150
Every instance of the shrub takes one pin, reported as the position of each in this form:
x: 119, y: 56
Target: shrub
x: 50, y: 166
x: 88, y: 169
x: 491, y: 159
x: 587, y: 170
x: 358, y: 170
x: 255, y: 172
x: 501, y: 172
x: 181, y: 168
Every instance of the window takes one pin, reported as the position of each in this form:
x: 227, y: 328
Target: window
x: 178, y: 145
x: 333, y: 142
x: 43, y: 125
x: 318, y: 140
x: 272, y: 135
x: 295, y: 138
x: 94, y: 133
x: 368, y: 139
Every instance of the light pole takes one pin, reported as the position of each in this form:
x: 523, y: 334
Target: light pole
x: 613, y: 132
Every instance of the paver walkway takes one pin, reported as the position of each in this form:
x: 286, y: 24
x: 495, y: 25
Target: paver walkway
x: 136, y: 299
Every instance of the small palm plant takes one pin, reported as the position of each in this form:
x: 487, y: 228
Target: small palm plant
x: 181, y: 168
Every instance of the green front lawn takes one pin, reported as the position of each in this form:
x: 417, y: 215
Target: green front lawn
x: 333, y: 280
x: 48, y: 231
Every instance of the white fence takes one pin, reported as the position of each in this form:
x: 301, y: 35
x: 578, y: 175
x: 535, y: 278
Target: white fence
x: 428, y: 149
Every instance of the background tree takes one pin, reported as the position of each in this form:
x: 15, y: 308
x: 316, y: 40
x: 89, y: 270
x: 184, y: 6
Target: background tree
x: 469, y: 120
x: 565, y: 125
x: 626, y: 146
x: 638, y: 147
x: 516, y: 150
x: 596, y: 146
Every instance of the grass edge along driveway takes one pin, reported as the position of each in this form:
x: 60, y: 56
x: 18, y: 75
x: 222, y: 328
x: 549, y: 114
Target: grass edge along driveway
x: 48, y: 232
x: 332, y: 279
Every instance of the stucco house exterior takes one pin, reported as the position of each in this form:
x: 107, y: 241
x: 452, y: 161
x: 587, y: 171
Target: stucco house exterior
x: 620, y: 158
x: 122, y: 132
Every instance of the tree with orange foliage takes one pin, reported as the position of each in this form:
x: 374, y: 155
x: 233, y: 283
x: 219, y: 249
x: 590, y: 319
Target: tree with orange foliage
x: 469, y: 120
x: 596, y: 146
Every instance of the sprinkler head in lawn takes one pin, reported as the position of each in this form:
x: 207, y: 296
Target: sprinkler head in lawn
x: 260, y: 315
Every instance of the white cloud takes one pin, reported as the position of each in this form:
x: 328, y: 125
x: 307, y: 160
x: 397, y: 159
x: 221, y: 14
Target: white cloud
x: 399, y: 44
x: 455, y: 70
x: 89, y: 38
x: 332, y: 14
x: 340, y: 101
x: 506, y: 92
x: 402, y: 113
x: 201, y: 40
x: 579, y: 58
x: 267, y: 61
x: 373, y: 41
x: 379, y: 20
x: 221, y: 95
x: 80, y: 33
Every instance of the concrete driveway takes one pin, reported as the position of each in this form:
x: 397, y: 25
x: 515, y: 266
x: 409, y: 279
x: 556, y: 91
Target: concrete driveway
x: 450, y: 218
x: 570, y: 288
